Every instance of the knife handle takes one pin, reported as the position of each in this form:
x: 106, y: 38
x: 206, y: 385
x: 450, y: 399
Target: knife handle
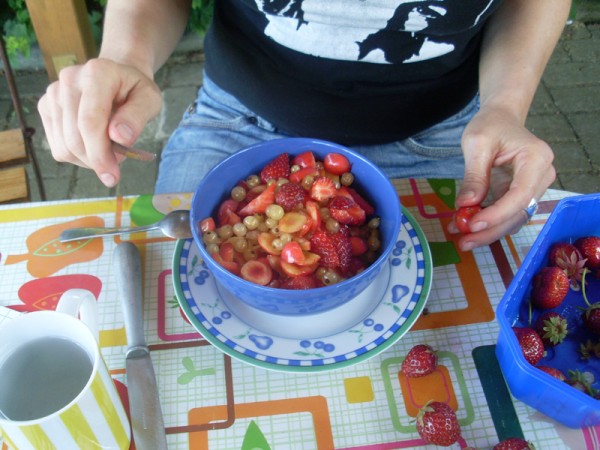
x: 128, y: 268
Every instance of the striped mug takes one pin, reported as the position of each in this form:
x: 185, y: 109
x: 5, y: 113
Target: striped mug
x: 55, y: 389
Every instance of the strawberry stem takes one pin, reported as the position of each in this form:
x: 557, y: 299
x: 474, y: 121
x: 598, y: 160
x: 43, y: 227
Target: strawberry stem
x: 585, y: 271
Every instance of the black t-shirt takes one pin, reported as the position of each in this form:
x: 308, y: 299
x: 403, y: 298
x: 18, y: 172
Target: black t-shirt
x: 350, y: 71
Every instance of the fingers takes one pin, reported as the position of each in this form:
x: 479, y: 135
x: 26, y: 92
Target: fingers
x: 91, y: 105
x: 502, y: 158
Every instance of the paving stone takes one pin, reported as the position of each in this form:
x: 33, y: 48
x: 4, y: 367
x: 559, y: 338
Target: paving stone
x: 551, y: 127
x: 582, y: 99
x: 571, y: 157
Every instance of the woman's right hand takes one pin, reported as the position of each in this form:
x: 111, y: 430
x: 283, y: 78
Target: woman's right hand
x: 92, y: 109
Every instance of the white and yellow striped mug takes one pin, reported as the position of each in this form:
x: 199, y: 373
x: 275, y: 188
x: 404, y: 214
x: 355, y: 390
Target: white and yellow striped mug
x: 55, y: 389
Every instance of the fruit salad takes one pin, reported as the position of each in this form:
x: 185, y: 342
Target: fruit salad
x: 298, y: 224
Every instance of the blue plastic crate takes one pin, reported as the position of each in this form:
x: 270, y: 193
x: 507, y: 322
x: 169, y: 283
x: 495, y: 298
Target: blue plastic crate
x: 572, y: 218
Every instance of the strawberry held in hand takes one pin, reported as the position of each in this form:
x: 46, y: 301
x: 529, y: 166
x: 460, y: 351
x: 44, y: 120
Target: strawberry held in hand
x: 437, y: 424
x: 463, y: 216
x: 420, y: 360
x: 550, y: 287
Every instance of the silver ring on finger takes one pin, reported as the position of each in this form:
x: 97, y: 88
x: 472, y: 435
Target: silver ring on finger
x: 531, y: 209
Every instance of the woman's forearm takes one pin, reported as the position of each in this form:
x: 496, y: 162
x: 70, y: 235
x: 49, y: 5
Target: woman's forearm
x: 143, y: 33
x: 518, y: 42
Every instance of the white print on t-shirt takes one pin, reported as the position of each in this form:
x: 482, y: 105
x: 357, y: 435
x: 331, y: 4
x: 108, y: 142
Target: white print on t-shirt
x: 374, y: 31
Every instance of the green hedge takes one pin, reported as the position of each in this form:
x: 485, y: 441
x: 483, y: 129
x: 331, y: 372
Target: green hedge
x: 19, y: 36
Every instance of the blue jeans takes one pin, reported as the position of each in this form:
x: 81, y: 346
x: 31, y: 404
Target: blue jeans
x: 217, y: 125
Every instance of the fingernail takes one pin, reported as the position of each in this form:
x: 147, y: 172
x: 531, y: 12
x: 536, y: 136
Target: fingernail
x: 478, y: 226
x: 125, y: 132
x: 467, y: 246
x: 467, y: 195
x: 108, y: 179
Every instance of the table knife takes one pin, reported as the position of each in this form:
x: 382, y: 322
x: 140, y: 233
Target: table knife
x: 144, y: 403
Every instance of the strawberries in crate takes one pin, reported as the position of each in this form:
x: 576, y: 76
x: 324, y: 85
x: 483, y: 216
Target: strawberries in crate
x: 299, y: 218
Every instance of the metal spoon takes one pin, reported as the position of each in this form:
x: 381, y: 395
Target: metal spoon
x: 176, y: 225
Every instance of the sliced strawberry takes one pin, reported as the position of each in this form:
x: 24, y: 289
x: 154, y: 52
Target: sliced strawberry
x: 292, y: 253
x: 226, y: 213
x: 336, y: 163
x: 207, y: 224
x: 226, y: 251
x: 346, y: 211
x: 257, y: 272
x: 322, y: 244
x: 312, y: 209
x: 361, y: 201
x: 300, y: 282
x: 359, y: 245
x: 259, y: 204
x: 279, y: 167
x: 298, y: 176
x: 322, y: 189
x: 305, y: 159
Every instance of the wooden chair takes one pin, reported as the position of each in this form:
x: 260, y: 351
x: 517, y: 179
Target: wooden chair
x: 16, y: 148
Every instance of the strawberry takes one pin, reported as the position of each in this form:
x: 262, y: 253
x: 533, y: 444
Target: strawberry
x: 579, y: 381
x: 567, y: 257
x: 591, y: 315
x: 300, y: 282
x: 305, y: 159
x: 322, y: 244
x: 589, y: 247
x: 289, y: 195
x: 322, y: 189
x: 514, y: 444
x: 531, y: 344
x: 550, y: 287
x: 343, y: 248
x: 437, y: 424
x: 260, y: 203
x: 552, y: 328
x: 346, y: 211
x: 361, y: 201
x: 279, y: 167
x: 420, y: 360
x: 359, y: 245
x: 554, y: 372
x: 226, y: 213
x: 298, y: 176
x: 463, y: 215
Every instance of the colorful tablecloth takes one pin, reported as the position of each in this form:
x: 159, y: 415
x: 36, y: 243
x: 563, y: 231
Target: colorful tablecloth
x: 214, y: 401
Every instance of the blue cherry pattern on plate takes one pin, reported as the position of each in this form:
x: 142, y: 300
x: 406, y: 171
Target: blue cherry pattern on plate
x: 401, y: 253
x: 320, y: 347
x: 365, y: 328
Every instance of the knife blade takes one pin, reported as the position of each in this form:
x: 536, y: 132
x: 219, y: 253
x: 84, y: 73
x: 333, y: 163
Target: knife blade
x: 144, y: 402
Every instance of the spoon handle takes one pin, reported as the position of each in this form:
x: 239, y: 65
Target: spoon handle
x: 86, y: 233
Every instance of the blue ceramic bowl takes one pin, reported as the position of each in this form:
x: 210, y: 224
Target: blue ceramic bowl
x: 369, y: 180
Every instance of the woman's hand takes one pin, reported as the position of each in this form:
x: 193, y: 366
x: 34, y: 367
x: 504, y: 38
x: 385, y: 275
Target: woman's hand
x: 505, y: 160
x: 93, y: 106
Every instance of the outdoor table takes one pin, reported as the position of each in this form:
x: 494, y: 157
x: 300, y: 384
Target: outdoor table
x: 213, y: 399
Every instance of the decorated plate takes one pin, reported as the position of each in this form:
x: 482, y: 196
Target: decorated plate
x: 349, y: 334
